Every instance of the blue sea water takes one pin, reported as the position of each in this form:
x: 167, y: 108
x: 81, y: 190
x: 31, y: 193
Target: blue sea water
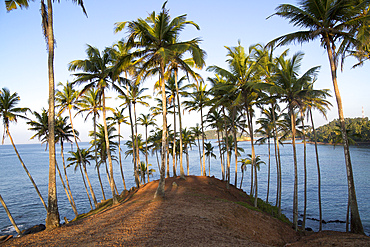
x: 27, y: 210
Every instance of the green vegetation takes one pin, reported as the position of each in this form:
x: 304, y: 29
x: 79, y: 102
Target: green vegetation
x: 358, y: 130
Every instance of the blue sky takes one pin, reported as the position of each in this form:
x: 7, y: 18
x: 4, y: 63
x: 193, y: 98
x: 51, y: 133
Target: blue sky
x: 23, y: 67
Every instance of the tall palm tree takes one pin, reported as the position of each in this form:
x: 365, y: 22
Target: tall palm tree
x: 336, y: 23
x: 97, y: 72
x: 62, y: 131
x: 81, y: 158
x: 177, y: 62
x: 90, y: 103
x: 157, y: 38
x: 188, y: 140
x: 9, y: 112
x: 119, y: 118
x: 146, y: 120
x: 124, y: 89
x: 67, y: 99
x: 101, y: 144
x: 197, y: 132
x: 52, y: 218
x: 241, y: 79
x: 317, y: 101
x: 266, y: 130
x: 214, y: 119
x: 220, y: 91
x: 197, y: 102
x: 290, y: 88
x: 209, y: 154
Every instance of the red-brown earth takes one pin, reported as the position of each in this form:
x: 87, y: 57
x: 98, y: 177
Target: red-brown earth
x: 198, y: 211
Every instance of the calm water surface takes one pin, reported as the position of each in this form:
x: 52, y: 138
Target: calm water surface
x: 27, y: 210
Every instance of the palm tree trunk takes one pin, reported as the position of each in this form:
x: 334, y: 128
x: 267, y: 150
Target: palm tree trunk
x: 241, y: 181
x: 160, y: 190
x: 108, y: 177
x: 101, y: 184
x: 200, y: 157
x: 25, y: 168
x: 79, y: 152
x: 168, y: 156
x: 227, y: 152
x: 52, y: 217
x: 174, y: 157
x: 146, y: 151
x: 66, y: 190
x: 10, y: 216
x: 136, y: 143
x: 295, y: 196
x: 318, y: 171
x: 356, y: 224
x: 235, y: 146
x: 187, y: 159
x: 137, y: 181
x: 88, y: 181
x: 182, y: 173
x: 268, y: 173
x: 115, y: 201
x: 65, y: 173
x: 305, y: 173
x: 203, y: 157
x: 87, y: 191
x: 119, y: 154
x: 250, y: 124
x: 219, y: 148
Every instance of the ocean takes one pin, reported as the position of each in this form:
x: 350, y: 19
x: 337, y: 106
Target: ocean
x: 27, y: 209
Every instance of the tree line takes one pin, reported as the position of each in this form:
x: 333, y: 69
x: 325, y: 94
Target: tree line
x: 358, y: 131
x: 256, y: 80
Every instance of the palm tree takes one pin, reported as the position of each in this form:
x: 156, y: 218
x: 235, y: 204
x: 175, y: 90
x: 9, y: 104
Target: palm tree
x: 266, y: 130
x: 290, y: 89
x: 146, y: 120
x: 209, y: 154
x: 198, y: 99
x: 90, y: 102
x: 257, y: 163
x: 101, y: 144
x: 40, y: 125
x: 157, y: 37
x: 241, y: 79
x: 155, y: 142
x: 9, y: 112
x: 185, y: 65
x: 52, y: 218
x: 97, y: 73
x: 80, y: 158
x: 196, y: 132
x: 318, y: 102
x: 10, y: 216
x: 214, y: 119
x: 64, y: 133
x: 188, y: 140
x: 131, y: 146
x: 145, y: 171
x: 220, y: 91
x: 119, y: 118
x: 336, y: 24
x: 124, y: 94
x: 67, y: 98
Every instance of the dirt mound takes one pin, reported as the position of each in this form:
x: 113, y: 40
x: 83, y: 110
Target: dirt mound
x: 198, y: 211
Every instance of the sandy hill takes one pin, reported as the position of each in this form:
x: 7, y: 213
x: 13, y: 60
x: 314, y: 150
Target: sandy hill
x: 198, y: 211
